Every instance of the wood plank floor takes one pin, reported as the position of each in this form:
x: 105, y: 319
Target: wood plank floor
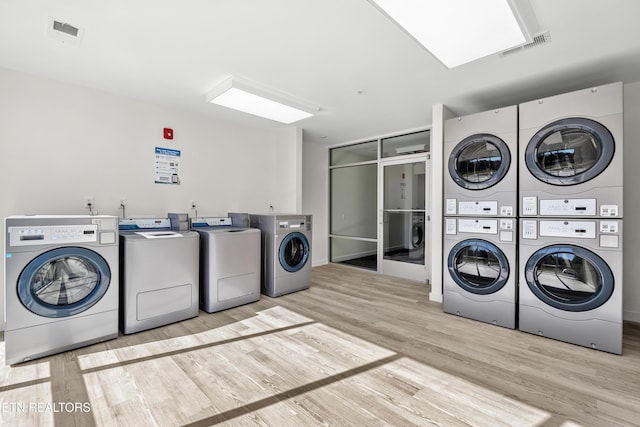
x: 356, y: 349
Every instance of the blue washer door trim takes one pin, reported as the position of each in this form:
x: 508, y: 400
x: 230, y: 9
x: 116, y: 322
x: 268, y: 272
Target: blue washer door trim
x: 34, y: 304
x: 499, y: 281
x: 283, y: 251
x: 605, y: 278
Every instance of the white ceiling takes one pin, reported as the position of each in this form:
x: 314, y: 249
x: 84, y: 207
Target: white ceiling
x: 345, y: 56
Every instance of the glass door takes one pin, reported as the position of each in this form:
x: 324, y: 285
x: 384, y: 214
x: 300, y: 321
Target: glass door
x: 403, y: 217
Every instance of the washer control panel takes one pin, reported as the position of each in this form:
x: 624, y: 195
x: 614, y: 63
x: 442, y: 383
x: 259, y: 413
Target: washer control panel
x: 581, y: 229
x: 478, y: 208
x: 46, y: 234
x: 483, y: 226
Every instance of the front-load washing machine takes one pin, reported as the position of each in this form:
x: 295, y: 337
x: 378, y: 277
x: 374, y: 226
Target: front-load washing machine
x: 229, y: 263
x: 417, y: 231
x: 571, y: 154
x: 481, y: 154
x: 286, y: 252
x: 416, y: 238
x: 571, y: 281
x: 159, y: 274
x: 479, y: 274
x: 61, y: 283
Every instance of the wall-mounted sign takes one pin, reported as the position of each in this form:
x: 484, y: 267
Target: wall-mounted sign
x: 167, y: 164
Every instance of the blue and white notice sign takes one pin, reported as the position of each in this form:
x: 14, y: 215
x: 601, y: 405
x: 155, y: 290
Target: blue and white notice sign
x: 167, y: 166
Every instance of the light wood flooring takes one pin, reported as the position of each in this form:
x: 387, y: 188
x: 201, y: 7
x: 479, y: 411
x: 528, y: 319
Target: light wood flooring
x: 356, y: 349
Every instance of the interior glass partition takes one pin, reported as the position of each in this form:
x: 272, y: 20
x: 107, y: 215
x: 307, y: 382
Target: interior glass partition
x: 353, y: 184
x: 379, y: 205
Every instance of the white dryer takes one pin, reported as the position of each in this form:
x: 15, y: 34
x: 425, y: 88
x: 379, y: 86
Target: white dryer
x: 571, y: 154
x: 571, y: 281
x: 481, y: 154
x: 286, y: 252
x: 480, y: 269
x: 229, y: 263
x: 61, y: 277
x: 159, y: 274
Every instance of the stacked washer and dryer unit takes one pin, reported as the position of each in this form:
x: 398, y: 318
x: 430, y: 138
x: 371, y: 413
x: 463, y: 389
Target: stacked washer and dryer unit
x: 480, y: 186
x: 562, y: 277
x: 570, y: 186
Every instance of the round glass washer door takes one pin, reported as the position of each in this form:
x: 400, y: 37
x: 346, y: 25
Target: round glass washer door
x: 569, y: 277
x: 293, y: 252
x: 569, y: 151
x: 63, y: 282
x: 478, y: 266
x: 479, y: 161
x: 417, y: 235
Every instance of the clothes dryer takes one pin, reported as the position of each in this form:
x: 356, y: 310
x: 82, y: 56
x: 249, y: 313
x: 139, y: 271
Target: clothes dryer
x: 480, y: 269
x: 229, y: 263
x: 159, y: 274
x: 481, y: 154
x: 571, y: 281
x: 61, y: 283
x: 286, y: 252
x: 571, y: 154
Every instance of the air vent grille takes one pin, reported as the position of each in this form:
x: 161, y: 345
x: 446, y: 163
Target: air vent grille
x: 538, y: 40
x: 65, y: 28
x: 61, y: 31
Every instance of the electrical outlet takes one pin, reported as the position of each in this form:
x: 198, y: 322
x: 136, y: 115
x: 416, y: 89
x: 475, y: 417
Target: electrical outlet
x: 193, y: 204
x: 89, y: 203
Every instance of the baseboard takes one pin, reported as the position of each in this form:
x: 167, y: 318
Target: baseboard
x: 319, y: 262
x: 631, y: 316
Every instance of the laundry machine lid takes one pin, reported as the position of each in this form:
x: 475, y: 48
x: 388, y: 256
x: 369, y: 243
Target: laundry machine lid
x: 569, y: 277
x: 158, y: 234
x: 479, y: 161
x: 478, y: 266
x: 569, y: 151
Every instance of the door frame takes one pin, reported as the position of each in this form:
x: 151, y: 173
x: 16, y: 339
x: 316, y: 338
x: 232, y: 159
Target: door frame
x: 418, y: 272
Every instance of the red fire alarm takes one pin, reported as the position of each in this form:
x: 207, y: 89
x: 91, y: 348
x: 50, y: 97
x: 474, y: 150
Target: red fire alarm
x: 168, y: 133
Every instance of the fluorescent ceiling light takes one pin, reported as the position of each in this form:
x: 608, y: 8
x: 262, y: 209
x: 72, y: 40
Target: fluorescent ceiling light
x: 250, y: 98
x: 461, y: 31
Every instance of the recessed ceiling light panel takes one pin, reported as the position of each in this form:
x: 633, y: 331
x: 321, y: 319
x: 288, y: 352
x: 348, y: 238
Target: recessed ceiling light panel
x: 252, y: 99
x: 459, y: 31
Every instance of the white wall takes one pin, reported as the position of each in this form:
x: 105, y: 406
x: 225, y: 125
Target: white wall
x: 288, y: 173
x: 440, y: 113
x: 61, y: 143
x: 631, y: 223
x: 315, y: 197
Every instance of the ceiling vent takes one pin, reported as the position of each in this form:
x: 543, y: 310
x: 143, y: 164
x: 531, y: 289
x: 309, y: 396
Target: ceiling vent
x: 64, y: 32
x: 538, y: 40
